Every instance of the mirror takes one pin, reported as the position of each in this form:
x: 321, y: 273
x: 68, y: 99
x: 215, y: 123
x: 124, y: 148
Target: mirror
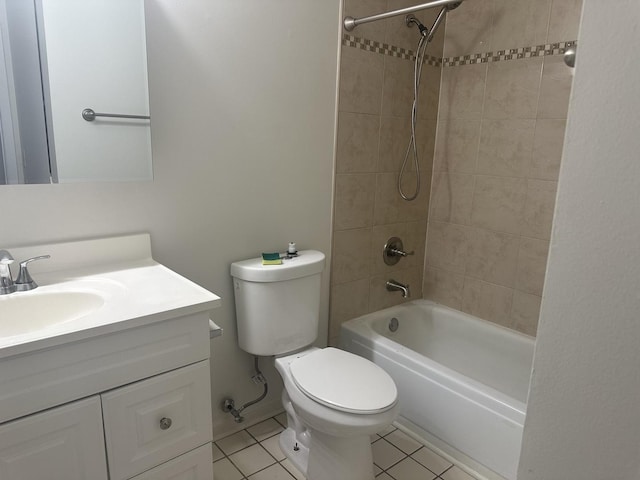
x: 59, y: 58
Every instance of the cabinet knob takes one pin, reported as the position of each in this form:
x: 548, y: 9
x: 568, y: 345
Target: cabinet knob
x: 165, y: 423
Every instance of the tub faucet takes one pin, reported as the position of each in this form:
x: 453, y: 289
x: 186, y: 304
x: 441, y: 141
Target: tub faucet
x: 392, y: 286
x: 6, y: 281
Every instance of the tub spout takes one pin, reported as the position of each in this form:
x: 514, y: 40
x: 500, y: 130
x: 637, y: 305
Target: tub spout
x: 392, y: 286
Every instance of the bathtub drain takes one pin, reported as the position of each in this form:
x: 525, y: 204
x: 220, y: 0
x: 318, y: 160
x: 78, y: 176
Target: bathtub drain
x: 393, y: 324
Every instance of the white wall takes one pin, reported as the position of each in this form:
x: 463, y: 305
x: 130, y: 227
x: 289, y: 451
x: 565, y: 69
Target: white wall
x: 242, y: 97
x: 583, y: 419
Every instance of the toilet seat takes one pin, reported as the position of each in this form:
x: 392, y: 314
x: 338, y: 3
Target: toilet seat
x: 343, y: 381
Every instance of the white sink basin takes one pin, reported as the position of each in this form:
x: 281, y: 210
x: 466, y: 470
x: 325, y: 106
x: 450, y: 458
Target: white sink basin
x: 30, y: 312
x: 92, y: 288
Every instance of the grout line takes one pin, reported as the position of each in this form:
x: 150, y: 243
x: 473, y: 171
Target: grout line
x: 287, y: 470
x: 240, y: 450
x: 396, y: 463
x: 440, y: 476
x: 232, y: 464
x: 237, y: 468
x: 262, y: 469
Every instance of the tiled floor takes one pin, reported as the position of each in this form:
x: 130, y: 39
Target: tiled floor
x: 254, y: 454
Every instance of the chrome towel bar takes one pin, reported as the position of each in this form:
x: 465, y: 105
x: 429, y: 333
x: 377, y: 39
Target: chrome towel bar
x: 89, y: 115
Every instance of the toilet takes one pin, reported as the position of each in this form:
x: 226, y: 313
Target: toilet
x: 334, y: 400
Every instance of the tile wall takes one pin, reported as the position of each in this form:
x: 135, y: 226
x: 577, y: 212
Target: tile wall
x: 496, y: 90
x: 376, y: 92
x: 500, y: 130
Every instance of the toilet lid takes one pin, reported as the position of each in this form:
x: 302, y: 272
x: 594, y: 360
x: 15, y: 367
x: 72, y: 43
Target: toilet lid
x: 344, y: 381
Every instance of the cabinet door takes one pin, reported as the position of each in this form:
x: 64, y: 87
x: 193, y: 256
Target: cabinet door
x: 194, y: 465
x: 152, y: 421
x: 65, y: 443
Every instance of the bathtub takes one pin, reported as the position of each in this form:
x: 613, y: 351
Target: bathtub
x: 462, y: 381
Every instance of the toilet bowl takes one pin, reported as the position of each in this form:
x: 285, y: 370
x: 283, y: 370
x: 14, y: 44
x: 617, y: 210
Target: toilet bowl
x: 333, y: 411
x: 334, y: 400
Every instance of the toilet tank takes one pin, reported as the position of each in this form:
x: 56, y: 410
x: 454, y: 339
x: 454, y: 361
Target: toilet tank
x: 278, y: 306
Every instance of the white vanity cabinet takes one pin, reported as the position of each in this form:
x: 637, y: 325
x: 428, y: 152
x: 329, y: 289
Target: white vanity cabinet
x: 146, y: 415
x: 65, y: 443
x: 117, y: 391
x: 195, y: 465
x: 150, y: 422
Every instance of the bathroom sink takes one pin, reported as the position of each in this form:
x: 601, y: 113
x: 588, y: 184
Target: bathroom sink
x: 32, y: 311
x: 91, y: 289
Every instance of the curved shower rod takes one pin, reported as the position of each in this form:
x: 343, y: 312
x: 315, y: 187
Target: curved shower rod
x: 350, y: 23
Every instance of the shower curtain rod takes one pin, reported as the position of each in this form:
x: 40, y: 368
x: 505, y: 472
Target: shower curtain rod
x: 350, y: 23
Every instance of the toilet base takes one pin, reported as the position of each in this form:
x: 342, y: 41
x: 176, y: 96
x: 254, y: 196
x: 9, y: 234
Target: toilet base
x: 329, y: 457
x: 297, y: 453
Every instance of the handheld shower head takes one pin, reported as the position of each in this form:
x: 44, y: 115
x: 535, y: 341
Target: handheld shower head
x: 410, y: 20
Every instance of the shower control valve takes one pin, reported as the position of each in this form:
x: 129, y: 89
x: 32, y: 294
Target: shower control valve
x: 393, y: 251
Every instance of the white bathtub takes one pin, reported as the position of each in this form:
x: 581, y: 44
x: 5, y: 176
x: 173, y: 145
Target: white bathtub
x: 462, y: 381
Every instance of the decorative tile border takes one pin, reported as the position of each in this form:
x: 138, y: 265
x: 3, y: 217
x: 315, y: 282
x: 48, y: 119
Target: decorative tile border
x: 386, y: 49
x: 488, y: 57
x: 511, y: 54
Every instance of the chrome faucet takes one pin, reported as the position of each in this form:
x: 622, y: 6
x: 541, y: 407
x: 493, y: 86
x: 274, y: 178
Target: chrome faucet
x: 23, y: 282
x: 6, y: 281
x: 393, y: 286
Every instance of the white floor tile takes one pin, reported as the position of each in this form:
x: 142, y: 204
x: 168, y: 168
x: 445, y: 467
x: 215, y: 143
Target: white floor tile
x: 252, y: 459
x: 272, y: 445
x: 274, y: 472
x: 387, y: 430
x: 455, y: 473
x: 216, y: 453
x: 235, y: 442
x: 282, y: 419
x: 431, y: 460
x: 292, y: 469
x: 409, y: 469
x: 265, y: 429
x: 224, y: 470
x: 397, y: 456
x: 385, y: 454
x: 403, y: 441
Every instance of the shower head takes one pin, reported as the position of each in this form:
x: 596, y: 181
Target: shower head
x: 410, y: 20
x: 440, y: 18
